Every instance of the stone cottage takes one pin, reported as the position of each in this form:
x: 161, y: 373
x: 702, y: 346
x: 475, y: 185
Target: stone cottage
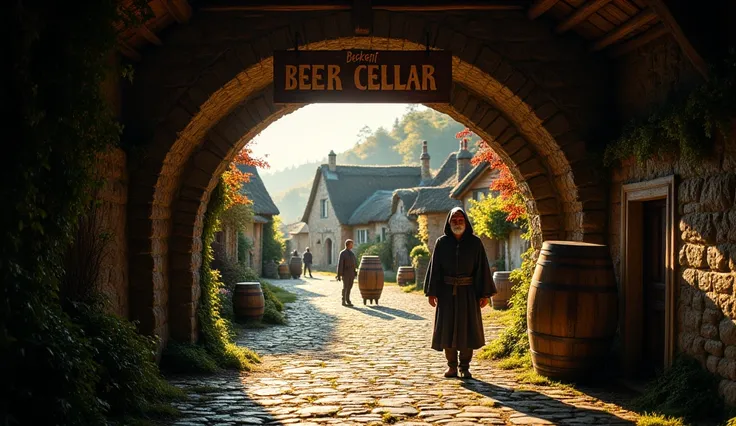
x: 341, y: 205
x: 264, y: 210
x: 474, y: 186
x: 297, y: 237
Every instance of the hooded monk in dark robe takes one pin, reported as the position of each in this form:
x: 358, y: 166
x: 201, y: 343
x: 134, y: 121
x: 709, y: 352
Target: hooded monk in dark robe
x: 458, y: 283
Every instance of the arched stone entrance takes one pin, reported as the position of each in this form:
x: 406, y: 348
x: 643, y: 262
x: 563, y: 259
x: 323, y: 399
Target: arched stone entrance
x: 198, y: 100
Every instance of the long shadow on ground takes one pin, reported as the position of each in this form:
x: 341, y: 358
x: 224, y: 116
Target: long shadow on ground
x: 538, y: 405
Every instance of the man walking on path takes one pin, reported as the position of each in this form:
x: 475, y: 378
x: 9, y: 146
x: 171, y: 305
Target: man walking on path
x: 458, y: 283
x: 307, y: 259
x: 346, y: 271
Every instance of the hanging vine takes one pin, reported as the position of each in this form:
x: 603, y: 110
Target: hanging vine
x: 686, y: 125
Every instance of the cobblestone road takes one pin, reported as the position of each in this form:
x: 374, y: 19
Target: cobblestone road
x: 372, y: 364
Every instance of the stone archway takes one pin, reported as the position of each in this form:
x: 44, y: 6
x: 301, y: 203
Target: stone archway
x: 531, y: 95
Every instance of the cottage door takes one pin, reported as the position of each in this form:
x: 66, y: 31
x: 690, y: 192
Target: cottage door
x: 653, y: 262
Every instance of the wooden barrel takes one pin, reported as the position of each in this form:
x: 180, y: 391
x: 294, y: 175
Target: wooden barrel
x: 370, y: 278
x: 500, y: 300
x: 572, y: 310
x: 422, y: 264
x: 270, y: 270
x: 295, y: 267
x: 405, y: 275
x: 248, y: 301
x: 284, y: 271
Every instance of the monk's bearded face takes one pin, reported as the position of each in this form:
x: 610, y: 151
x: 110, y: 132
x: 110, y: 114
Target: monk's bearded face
x: 457, y: 224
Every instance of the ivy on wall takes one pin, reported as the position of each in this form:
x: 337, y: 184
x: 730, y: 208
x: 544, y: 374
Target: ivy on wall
x: 216, y: 348
x: 686, y: 125
x: 59, y: 364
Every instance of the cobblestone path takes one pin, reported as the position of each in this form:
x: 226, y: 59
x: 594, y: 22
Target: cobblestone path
x: 372, y: 364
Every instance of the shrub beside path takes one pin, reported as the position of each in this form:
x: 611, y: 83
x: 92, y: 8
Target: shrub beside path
x: 373, y: 365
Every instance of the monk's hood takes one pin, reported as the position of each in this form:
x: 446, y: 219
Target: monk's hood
x: 468, y: 226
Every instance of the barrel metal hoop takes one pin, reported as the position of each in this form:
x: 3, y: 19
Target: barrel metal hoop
x: 573, y: 288
x: 601, y: 265
x: 573, y: 340
x: 576, y: 360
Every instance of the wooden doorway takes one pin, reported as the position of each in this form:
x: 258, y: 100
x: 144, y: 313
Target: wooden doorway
x: 328, y: 249
x: 648, y: 277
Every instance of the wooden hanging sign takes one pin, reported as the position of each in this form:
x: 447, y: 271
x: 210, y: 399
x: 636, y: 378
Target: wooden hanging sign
x: 353, y: 76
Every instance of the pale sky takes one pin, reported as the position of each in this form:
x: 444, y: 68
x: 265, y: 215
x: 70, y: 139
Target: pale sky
x: 312, y: 131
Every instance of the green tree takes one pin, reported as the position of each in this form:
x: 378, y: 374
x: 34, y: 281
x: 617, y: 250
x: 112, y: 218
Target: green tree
x: 273, y: 242
x: 489, y: 219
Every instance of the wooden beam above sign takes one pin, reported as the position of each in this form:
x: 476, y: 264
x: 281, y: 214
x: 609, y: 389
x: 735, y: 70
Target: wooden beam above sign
x: 388, y: 5
x: 362, y: 17
x: 640, y: 40
x: 581, y: 14
x: 538, y: 8
x: 644, y: 17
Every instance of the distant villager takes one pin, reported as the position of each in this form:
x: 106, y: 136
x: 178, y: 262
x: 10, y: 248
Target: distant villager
x: 307, y: 258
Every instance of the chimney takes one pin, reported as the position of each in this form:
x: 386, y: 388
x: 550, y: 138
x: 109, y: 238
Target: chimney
x: 426, y: 173
x: 463, y: 160
x: 332, y: 161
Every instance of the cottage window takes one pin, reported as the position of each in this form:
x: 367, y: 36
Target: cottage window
x: 383, y: 234
x: 362, y: 236
x: 479, y: 194
x: 323, y: 208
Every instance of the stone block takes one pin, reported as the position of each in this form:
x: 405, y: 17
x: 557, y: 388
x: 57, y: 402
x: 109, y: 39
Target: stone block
x: 730, y: 352
x: 714, y: 347
x: 727, y: 368
x: 698, y: 300
x: 689, y: 190
x: 727, y: 331
x: 686, y: 341
x: 704, y: 281
x: 711, y: 363
x: 709, y: 331
x: 691, y: 319
x: 712, y: 316
x: 726, y: 303
x: 698, y: 228
x: 693, y: 255
x: 718, y: 192
x: 727, y: 389
x: 689, y: 277
x: 722, y: 282
x: 698, y: 346
x: 686, y: 295
x: 718, y: 258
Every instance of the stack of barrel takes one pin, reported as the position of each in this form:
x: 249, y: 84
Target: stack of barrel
x: 370, y: 278
x: 248, y: 301
x: 405, y: 275
x: 572, y: 310
x: 284, y: 271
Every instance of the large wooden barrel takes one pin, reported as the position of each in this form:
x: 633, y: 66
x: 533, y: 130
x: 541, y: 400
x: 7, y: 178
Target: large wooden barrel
x: 405, y: 275
x: 500, y: 300
x: 295, y: 267
x: 284, y: 271
x: 248, y: 301
x: 572, y: 310
x: 370, y: 278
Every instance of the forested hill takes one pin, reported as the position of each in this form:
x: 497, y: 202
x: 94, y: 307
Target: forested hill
x: 402, y: 144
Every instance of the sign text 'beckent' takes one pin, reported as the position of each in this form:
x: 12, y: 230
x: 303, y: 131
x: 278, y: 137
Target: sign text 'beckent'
x: 308, y: 76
